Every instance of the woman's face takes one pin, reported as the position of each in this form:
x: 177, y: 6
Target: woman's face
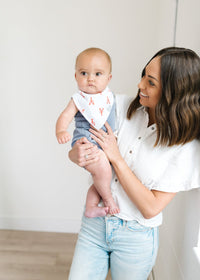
x: 150, y: 85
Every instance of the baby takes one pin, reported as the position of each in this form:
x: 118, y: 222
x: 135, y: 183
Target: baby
x: 93, y: 104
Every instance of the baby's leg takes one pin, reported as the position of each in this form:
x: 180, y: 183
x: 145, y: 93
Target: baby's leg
x: 102, y: 174
x: 92, y: 209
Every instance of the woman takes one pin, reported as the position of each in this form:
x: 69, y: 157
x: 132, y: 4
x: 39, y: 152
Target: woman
x: 156, y: 155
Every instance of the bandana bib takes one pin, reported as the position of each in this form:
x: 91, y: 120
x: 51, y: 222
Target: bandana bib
x: 94, y: 107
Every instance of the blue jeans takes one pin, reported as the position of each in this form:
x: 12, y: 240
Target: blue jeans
x: 126, y: 247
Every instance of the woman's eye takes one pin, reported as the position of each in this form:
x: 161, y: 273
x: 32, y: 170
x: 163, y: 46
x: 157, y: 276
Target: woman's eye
x: 98, y: 74
x: 151, y: 83
x: 83, y: 73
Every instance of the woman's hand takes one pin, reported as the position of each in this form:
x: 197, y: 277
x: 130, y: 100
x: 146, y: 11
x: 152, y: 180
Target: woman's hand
x: 107, y: 141
x: 84, y: 152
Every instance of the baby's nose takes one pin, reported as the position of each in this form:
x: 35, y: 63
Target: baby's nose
x: 90, y: 77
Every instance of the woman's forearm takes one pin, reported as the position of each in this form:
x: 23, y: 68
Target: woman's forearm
x: 143, y: 198
x: 150, y: 203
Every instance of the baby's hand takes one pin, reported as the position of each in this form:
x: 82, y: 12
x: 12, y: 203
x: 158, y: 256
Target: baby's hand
x: 63, y: 137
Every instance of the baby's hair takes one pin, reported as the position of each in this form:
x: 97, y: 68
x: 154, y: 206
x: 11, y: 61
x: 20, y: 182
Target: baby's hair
x: 95, y: 51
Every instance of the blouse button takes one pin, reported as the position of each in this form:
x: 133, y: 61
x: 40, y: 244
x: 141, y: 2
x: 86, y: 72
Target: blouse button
x: 139, y: 137
x: 130, y: 152
x: 152, y: 128
x: 116, y: 180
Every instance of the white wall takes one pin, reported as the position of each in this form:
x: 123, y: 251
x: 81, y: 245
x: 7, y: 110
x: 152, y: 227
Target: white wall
x: 179, y: 234
x: 40, y: 188
x: 178, y: 237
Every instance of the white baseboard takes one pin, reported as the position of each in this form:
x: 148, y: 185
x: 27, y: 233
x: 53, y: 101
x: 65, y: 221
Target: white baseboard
x: 40, y: 224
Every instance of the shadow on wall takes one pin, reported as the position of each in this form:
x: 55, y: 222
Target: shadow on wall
x: 178, y: 236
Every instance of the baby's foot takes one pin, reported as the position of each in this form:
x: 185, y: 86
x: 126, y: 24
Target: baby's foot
x: 113, y: 211
x: 113, y: 208
x: 95, y: 211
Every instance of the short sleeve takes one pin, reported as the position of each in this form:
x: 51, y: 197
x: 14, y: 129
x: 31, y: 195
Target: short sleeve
x: 181, y: 172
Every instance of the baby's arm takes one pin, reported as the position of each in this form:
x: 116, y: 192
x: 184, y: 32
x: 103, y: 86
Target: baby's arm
x: 63, y: 122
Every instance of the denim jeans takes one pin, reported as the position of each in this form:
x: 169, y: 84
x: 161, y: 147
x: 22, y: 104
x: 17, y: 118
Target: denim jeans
x: 126, y: 247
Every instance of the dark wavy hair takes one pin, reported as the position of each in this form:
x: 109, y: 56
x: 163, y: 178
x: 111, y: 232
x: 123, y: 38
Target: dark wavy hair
x: 178, y: 110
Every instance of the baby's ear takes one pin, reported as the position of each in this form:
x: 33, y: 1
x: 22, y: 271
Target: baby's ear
x: 110, y: 77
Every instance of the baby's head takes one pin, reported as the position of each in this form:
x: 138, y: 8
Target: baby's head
x: 93, y: 70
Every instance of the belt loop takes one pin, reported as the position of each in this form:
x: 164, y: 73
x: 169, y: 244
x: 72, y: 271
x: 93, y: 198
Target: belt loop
x: 124, y: 223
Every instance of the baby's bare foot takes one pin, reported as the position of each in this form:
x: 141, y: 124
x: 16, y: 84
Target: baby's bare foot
x: 113, y: 208
x: 113, y: 211
x: 95, y: 211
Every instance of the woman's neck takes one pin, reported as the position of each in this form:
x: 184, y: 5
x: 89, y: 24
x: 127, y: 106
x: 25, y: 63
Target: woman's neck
x: 152, y: 118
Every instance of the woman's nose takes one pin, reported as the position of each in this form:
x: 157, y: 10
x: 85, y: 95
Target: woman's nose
x: 141, y: 84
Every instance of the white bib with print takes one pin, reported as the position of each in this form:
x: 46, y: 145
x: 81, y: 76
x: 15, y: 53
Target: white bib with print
x: 95, y: 108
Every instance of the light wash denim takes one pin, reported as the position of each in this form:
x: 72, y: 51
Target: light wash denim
x: 126, y: 247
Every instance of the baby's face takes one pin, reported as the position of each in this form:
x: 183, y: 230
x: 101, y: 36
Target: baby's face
x: 92, y: 73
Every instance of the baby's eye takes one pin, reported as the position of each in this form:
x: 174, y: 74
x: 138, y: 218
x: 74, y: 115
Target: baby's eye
x: 98, y: 74
x: 83, y: 73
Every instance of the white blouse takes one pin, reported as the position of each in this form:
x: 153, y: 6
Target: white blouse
x: 167, y: 169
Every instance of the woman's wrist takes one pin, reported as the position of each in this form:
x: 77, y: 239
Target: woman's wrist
x: 117, y: 160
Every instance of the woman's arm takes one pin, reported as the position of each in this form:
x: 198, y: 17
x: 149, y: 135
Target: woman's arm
x: 149, y: 202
